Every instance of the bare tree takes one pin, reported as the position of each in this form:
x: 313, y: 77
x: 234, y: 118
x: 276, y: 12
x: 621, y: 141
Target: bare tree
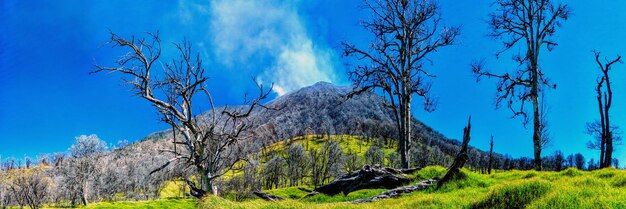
x: 211, y: 142
x: 334, y: 165
x: 297, y: 160
x: 533, y: 23
x: 273, y: 171
x: 405, y: 33
x: 603, y: 129
x: 28, y: 186
x: 580, y: 161
x: 595, y: 129
x: 592, y: 165
x: 82, y: 166
x: 318, y: 165
x: 5, y: 197
x: 570, y: 160
x: 374, y: 156
x: 559, y: 159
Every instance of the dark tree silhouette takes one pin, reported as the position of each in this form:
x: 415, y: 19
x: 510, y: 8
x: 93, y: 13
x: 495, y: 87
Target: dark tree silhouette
x: 531, y: 23
x: 559, y: 160
x: 210, y: 142
x: 580, y: 161
x: 490, y: 155
x: 405, y: 33
x: 603, y: 130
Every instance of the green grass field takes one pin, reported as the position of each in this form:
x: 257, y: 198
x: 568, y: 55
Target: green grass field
x: 505, y: 189
x: 153, y: 204
x: 570, y: 188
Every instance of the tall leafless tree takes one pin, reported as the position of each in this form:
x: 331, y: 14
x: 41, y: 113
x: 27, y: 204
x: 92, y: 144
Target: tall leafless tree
x: 81, y: 168
x: 603, y: 129
x: 210, y: 142
x: 405, y: 33
x: 532, y: 24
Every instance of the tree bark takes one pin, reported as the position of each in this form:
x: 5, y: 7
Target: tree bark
x: 195, y: 191
x: 368, y: 177
x: 603, y: 133
x: 398, y: 191
x: 83, y: 196
x: 490, y: 155
x: 407, y: 133
x: 534, y: 94
x: 461, y: 157
x: 608, y: 155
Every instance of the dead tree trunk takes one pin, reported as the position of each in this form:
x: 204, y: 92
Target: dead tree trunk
x: 195, y: 191
x: 459, y: 161
x: 605, y: 98
x: 490, y: 155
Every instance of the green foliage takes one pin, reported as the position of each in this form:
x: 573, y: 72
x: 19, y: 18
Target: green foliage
x: 530, y: 175
x: 514, y: 195
x: 341, y: 198
x: 288, y: 192
x: 466, y: 180
x: 619, y: 182
x: 571, y: 172
x: 173, y: 189
x: 162, y: 203
x: 570, y: 188
x: 430, y: 172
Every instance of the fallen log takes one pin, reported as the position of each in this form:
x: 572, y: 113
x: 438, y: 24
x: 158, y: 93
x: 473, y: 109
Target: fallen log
x: 268, y: 197
x: 398, y: 191
x: 368, y: 177
x: 453, y: 172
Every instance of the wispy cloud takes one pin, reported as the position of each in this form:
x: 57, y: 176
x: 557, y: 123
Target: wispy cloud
x: 272, y: 34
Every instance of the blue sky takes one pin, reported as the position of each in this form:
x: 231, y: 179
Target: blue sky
x: 47, y: 48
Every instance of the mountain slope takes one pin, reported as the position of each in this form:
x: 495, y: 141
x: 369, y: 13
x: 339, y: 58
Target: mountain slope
x: 323, y: 109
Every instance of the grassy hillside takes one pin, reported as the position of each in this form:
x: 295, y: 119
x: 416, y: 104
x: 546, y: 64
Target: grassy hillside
x: 571, y: 188
x: 162, y: 203
x: 356, y: 145
x: 172, y: 196
x: 505, y: 189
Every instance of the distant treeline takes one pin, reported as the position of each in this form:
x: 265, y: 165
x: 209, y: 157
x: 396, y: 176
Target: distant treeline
x: 90, y: 172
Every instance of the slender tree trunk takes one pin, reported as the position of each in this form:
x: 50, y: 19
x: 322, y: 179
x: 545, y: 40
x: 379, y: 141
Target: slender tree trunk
x: 407, y: 133
x: 537, y: 118
x: 603, y: 133
x: 401, y: 135
x: 490, y: 155
x: 405, y: 124
x: 83, y: 198
x: 205, y: 183
x: 602, y: 147
x: 608, y: 155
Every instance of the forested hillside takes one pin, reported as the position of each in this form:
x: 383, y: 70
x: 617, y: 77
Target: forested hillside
x: 305, y: 123
x: 312, y: 104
